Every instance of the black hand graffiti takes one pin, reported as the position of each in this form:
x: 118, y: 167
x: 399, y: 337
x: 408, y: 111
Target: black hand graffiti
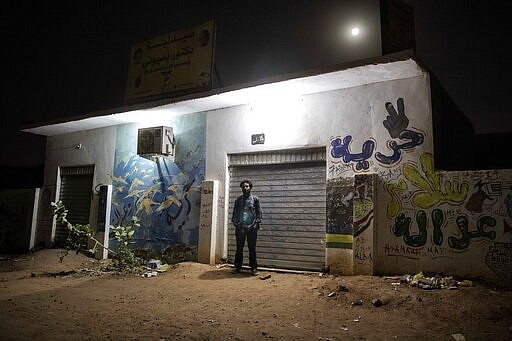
x: 396, y: 122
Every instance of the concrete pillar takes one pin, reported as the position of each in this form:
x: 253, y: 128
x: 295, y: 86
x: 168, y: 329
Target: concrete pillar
x: 103, y: 224
x: 207, y: 222
x: 364, y: 221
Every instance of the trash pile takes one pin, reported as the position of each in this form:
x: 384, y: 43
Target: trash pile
x: 428, y: 283
x: 154, y: 266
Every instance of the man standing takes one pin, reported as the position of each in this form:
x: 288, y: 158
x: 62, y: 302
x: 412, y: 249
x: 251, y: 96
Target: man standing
x: 246, y: 218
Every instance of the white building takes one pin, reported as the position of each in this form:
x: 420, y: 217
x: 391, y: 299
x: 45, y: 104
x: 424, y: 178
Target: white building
x: 342, y: 160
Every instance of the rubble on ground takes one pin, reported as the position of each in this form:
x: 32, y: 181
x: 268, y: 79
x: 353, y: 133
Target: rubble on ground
x: 434, y: 282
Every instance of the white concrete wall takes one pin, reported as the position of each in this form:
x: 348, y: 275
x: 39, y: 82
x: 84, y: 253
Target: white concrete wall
x: 314, y: 120
x: 97, y: 147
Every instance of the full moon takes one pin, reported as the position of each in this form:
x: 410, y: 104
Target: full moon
x: 355, y: 31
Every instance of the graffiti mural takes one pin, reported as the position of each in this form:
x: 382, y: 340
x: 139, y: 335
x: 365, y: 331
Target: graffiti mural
x: 499, y: 259
x: 443, y: 214
x: 340, y: 148
x: 396, y: 123
x: 403, y: 139
x: 424, y: 216
x: 422, y: 187
x: 340, y: 193
x: 363, y: 204
x: 485, y: 195
x: 349, y: 209
x: 428, y: 184
x: 163, y: 194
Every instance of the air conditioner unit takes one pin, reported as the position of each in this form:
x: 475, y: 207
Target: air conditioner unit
x: 156, y: 141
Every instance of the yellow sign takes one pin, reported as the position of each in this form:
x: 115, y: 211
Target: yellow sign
x: 172, y: 64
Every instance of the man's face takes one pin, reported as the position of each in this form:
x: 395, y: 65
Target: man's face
x: 246, y: 189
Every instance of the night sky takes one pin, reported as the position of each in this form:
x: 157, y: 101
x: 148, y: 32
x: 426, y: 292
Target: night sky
x: 67, y: 58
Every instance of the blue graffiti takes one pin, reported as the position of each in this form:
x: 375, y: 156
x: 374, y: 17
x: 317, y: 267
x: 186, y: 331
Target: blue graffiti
x: 415, y: 139
x: 340, y: 149
x: 396, y: 124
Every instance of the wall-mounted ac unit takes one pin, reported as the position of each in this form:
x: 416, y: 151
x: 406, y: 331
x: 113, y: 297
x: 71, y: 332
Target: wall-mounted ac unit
x: 156, y: 141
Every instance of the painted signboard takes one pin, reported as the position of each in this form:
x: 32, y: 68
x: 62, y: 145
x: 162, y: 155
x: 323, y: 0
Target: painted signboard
x: 171, y: 64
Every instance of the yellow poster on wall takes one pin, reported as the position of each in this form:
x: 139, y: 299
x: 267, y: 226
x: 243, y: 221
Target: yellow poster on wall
x: 171, y: 64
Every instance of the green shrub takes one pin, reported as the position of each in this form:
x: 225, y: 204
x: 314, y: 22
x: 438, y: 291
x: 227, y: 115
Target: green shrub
x: 80, y: 236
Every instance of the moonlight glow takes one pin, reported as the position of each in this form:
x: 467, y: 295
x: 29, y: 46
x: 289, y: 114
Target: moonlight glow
x: 355, y: 31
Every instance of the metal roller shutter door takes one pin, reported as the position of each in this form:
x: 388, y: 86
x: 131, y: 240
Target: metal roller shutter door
x: 75, y: 194
x: 292, y: 196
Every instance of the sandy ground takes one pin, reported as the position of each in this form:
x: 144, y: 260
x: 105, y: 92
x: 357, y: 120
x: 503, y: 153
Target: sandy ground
x: 43, y: 299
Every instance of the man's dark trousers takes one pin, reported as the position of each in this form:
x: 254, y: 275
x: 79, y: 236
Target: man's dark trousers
x: 252, y: 236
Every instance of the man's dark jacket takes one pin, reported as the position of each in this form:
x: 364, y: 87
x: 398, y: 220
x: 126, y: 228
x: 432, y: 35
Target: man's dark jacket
x: 247, y: 212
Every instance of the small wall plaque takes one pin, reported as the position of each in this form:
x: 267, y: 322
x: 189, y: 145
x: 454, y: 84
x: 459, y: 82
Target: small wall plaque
x: 257, y: 139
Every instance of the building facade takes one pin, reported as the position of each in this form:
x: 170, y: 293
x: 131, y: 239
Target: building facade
x: 342, y: 160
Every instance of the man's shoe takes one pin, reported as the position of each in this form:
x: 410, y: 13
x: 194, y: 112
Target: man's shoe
x: 254, y: 272
x: 235, y: 271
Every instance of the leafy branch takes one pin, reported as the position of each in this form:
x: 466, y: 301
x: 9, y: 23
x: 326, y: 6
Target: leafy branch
x: 80, y: 235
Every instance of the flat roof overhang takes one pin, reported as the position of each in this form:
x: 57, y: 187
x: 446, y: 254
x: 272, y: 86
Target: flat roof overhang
x: 386, y: 68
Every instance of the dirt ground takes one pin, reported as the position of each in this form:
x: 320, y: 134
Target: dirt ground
x: 43, y: 299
